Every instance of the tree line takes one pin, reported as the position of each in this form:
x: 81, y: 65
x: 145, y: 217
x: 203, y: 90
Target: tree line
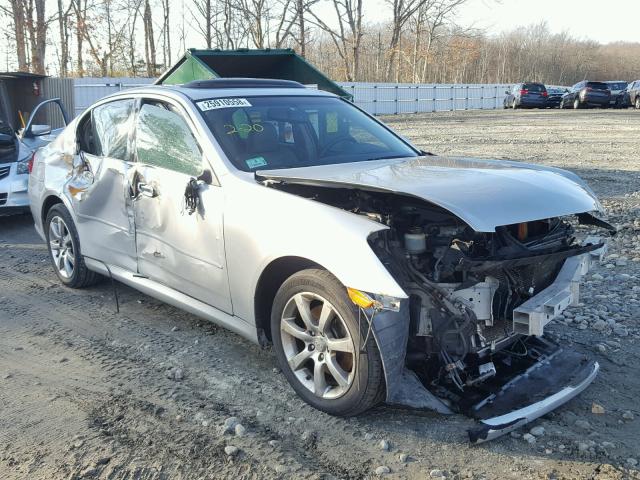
x: 420, y: 42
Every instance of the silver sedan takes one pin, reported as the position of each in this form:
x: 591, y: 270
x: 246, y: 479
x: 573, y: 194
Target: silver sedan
x: 378, y: 272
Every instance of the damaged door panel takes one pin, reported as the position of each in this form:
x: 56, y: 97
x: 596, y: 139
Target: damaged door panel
x: 99, y: 185
x: 177, y: 247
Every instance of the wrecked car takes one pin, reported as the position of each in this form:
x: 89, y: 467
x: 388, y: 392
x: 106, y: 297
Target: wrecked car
x: 16, y: 154
x: 378, y: 272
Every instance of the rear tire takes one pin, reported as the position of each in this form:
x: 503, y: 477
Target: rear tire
x: 320, y: 358
x: 637, y: 103
x: 514, y: 104
x: 64, y: 249
x: 576, y: 104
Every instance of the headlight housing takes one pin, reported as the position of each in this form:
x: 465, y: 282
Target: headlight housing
x: 23, y: 166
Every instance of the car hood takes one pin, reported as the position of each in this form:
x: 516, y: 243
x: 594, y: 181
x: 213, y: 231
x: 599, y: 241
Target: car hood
x: 484, y: 194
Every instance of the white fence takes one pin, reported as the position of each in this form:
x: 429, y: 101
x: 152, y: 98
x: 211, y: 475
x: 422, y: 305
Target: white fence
x: 392, y: 98
x: 375, y: 98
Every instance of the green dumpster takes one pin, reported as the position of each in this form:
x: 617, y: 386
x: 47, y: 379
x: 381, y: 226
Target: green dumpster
x: 283, y: 64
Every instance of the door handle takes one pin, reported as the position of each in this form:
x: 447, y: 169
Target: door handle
x: 146, y: 190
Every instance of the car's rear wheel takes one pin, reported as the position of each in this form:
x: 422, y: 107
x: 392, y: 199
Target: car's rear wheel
x: 318, y: 342
x: 637, y: 103
x: 514, y: 104
x: 64, y: 249
x: 576, y: 104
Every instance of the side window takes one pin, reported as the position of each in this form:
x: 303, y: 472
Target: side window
x: 164, y: 139
x: 108, y: 132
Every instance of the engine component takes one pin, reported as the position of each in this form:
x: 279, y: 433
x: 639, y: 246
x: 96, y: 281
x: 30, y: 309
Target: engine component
x: 415, y: 241
x: 479, y: 297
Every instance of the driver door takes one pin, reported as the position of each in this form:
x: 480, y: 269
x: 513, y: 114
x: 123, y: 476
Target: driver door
x: 176, y: 248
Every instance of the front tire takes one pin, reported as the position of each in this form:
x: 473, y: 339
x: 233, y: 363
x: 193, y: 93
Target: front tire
x: 576, y: 104
x: 317, y: 338
x: 64, y: 249
x: 637, y: 103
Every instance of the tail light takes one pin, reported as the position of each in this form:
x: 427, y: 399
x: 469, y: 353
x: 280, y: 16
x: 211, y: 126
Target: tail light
x: 524, y: 92
x: 545, y: 94
x: 30, y: 163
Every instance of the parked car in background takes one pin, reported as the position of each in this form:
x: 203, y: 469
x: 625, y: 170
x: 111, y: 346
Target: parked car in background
x: 587, y: 94
x: 16, y: 152
x: 555, y: 96
x: 290, y: 216
x: 618, y: 90
x: 526, y: 95
x: 632, y: 95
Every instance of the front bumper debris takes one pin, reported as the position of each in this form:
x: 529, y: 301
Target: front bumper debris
x: 545, y: 386
x: 531, y: 317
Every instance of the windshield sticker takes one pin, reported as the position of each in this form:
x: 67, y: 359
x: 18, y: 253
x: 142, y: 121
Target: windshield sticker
x: 255, y: 162
x: 217, y: 103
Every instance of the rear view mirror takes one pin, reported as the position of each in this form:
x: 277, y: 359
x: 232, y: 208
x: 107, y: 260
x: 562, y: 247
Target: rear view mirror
x: 39, y: 130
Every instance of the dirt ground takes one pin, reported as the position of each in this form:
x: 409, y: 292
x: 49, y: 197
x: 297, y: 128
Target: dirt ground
x: 146, y: 393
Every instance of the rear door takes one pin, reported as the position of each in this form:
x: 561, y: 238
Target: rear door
x: 99, y: 189
x: 179, y: 249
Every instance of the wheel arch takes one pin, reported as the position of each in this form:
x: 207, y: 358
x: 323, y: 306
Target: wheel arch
x: 270, y: 280
x: 47, y: 204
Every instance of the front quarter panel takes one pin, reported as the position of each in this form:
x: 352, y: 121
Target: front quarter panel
x: 263, y: 224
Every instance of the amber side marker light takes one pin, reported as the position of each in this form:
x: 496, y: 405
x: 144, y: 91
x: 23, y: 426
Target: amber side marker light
x: 360, y: 298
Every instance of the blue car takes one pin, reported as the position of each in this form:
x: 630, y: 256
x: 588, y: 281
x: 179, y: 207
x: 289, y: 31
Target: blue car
x: 526, y: 95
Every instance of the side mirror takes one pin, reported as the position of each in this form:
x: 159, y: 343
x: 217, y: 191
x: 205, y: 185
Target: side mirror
x: 39, y: 130
x: 206, y: 177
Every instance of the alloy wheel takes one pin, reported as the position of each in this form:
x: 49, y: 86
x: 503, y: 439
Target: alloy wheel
x: 61, y: 245
x: 317, y: 345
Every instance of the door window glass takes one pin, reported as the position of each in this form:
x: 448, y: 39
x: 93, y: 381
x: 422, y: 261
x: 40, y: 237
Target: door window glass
x: 110, y: 127
x: 164, y: 139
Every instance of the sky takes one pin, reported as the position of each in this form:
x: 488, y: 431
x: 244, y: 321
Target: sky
x: 585, y: 19
x: 589, y: 19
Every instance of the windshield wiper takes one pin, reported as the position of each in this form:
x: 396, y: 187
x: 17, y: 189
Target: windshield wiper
x: 385, y: 158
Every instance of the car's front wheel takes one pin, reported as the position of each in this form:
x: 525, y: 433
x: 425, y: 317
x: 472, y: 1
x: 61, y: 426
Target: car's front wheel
x: 576, y: 104
x: 64, y: 249
x: 319, y: 342
x: 637, y: 103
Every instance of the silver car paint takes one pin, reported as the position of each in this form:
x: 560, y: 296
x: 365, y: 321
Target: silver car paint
x: 210, y: 263
x: 253, y: 236
x: 484, y: 194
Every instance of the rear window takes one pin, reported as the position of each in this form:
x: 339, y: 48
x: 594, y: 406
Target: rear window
x: 534, y: 87
x: 618, y: 85
x: 597, y: 85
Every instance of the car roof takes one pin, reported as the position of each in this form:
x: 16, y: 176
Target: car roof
x: 227, y: 90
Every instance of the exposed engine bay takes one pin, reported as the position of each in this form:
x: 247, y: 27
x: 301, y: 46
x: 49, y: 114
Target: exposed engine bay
x: 467, y: 337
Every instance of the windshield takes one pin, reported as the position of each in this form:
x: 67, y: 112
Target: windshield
x: 288, y: 132
x: 618, y: 85
x: 534, y: 87
x: 598, y: 85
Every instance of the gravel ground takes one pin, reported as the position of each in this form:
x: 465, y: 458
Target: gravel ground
x: 154, y: 393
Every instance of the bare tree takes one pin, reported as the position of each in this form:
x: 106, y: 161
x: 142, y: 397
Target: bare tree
x: 63, y: 27
x: 203, y: 17
x: 149, y: 41
x: 166, y: 33
x: 347, y: 36
x: 16, y: 11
